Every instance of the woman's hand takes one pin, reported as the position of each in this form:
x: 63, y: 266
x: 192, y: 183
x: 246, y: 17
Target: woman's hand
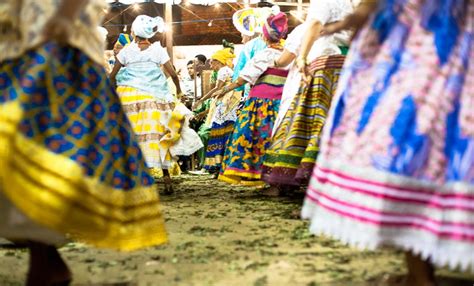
x: 220, y: 93
x: 200, y: 116
x: 334, y: 27
x: 302, y: 65
x: 197, y: 104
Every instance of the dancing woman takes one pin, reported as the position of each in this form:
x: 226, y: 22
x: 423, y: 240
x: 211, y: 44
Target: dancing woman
x: 159, y: 120
x: 221, y: 116
x: 396, y: 166
x: 69, y: 162
x: 252, y: 132
x: 306, y: 101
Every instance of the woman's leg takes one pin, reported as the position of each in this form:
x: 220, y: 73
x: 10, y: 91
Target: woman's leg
x: 420, y: 272
x: 46, y: 266
x: 168, y: 184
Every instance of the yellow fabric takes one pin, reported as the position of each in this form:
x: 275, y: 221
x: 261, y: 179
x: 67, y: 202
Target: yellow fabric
x: 58, y: 195
x: 224, y: 56
x: 157, y: 125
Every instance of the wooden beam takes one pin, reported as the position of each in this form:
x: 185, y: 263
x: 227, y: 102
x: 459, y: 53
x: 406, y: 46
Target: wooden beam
x: 169, y: 27
x: 294, y: 4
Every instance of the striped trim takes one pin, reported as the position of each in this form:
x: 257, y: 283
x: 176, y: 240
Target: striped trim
x: 269, y: 85
x: 453, y: 230
x: 327, y: 62
x: 394, y: 192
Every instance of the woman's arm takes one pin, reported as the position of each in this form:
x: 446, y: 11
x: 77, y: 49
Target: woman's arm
x: 115, y: 70
x: 239, y: 82
x: 219, y: 85
x: 174, y: 76
x: 312, y: 34
x: 353, y: 21
x: 285, y: 59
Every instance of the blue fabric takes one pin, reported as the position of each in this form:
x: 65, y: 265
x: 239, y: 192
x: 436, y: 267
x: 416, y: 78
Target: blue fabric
x: 147, y: 77
x: 70, y: 108
x: 248, y: 52
x: 410, y: 148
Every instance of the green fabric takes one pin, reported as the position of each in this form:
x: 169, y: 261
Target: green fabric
x: 203, y: 133
x: 203, y: 107
x: 344, y: 50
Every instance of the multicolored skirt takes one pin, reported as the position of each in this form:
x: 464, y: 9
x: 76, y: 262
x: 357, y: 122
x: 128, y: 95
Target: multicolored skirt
x: 253, y: 129
x: 216, y: 145
x: 69, y: 160
x: 396, y: 166
x: 155, y: 124
x: 295, y: 145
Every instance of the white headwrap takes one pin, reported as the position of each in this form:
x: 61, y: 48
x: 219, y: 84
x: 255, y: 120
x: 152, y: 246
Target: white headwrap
x: 146, y: 27
x: 103, y: 33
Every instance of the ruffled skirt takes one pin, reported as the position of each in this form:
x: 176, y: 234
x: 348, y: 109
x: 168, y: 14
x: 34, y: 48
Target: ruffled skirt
x: 69, y: 161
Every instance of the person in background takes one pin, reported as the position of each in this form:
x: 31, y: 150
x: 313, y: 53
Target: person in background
x: 396, y: 165
x: 122, y: 41
x: 252, y: 133
x: 220, y: 117
x: 160, y: 120
x: 70, y: 166
x: 247, y: 25
x: 200, y: 114
x: 200, y: 59
x: 191, y: 85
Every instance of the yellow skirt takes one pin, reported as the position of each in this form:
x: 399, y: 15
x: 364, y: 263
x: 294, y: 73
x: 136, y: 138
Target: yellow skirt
x: 156, y: 126
x: 69, y: 162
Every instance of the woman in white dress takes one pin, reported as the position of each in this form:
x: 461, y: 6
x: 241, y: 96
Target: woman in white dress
x: 159, y: 119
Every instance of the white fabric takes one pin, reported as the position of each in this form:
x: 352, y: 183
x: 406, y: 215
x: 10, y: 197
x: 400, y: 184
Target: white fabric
x: 131, y: 53
x: 325, y: 11
x: 259, y: 64
x: 190, y: 142
x: 224, y: 74
x: 290, y: 89
x: 221, y: 114
x: 187, y: 85
x: 328, y: 11
x: 15, y: 225
x: 103, y: 32
x: 146, y: 27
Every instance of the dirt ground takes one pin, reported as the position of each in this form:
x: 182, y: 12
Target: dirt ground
x: 226, y: 235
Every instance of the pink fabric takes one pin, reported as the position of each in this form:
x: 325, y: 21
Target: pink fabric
x: 276, y: 27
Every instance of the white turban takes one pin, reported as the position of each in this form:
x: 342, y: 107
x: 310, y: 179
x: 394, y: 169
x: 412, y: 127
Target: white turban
x: 146, y: 27
x: 103, y: 33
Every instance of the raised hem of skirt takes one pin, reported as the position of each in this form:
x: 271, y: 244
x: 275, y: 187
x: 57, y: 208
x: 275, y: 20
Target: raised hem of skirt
x: 52, y: 190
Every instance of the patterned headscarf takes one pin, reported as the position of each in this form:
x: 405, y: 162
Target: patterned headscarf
x: 122, y: 41
x: 224, y: 56
x: 276, y: 27
x: 146, y: 27
x: 249, y: 21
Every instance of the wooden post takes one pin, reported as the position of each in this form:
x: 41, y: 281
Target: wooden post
x: 169, y: 26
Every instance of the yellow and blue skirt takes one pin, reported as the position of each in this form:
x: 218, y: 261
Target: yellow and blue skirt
x: 69, y: 160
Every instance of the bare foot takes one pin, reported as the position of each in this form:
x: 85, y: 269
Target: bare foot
x: 168, y: 186
x: 46, y: 266
x: 295, y: 214
x: 420, y: 272
x: 272, y: 191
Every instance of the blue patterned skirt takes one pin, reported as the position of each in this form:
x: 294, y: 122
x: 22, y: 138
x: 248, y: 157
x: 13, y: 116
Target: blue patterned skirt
x: 68, y: 157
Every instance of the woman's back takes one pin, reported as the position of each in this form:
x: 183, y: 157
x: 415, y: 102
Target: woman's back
x: 143, y: 69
